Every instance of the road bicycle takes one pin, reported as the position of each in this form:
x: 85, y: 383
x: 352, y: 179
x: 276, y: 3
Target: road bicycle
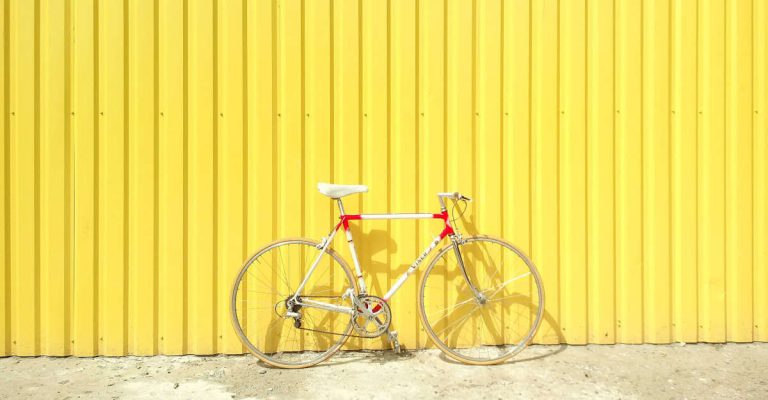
x: 296, y: 301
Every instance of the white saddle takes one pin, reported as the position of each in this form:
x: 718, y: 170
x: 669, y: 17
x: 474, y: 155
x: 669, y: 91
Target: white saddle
x: 339, y: 191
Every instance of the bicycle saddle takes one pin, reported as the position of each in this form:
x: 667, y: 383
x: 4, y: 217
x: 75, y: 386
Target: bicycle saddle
x: 339, y: 191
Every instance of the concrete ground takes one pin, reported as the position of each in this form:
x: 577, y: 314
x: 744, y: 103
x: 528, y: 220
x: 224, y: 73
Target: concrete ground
x: 700, y: 371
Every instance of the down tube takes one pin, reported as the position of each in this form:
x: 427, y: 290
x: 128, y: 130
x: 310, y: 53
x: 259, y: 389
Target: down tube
x: 412, y: 268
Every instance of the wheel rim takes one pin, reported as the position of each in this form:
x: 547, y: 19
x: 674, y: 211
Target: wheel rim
x: 260, y: 304
x: 498, y: 324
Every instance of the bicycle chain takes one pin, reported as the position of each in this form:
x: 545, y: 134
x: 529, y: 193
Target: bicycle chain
x: 336, y: 333
x: 333, y: 333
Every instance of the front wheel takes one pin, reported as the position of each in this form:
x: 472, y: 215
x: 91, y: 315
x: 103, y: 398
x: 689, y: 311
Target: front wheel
x: 493, y: 321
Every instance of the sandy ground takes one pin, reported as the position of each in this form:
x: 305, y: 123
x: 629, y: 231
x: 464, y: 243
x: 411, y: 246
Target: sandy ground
x: 734, y: 371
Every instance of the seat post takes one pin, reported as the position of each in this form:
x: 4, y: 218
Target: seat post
x: 341, y: 206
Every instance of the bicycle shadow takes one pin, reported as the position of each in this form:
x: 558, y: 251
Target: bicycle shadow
x: 368, y: 246
x: 540, y: 350
x: 370, y: 356
x: 553, y: 334
x: 549, y: 330
x: 377, y: 272
x: 466, y: 223
x: 405, y: 313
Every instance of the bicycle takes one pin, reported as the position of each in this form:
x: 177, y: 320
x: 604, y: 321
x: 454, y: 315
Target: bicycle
x: 304, y: 308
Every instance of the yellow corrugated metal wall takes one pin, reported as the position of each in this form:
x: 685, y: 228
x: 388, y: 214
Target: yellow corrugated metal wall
x: 149, y: 146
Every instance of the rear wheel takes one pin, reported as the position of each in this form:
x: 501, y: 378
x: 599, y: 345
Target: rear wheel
x: 492, y: 323
x: 268, y: 320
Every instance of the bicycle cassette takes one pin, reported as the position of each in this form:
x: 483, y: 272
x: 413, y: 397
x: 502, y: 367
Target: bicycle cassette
x: 372, y: 316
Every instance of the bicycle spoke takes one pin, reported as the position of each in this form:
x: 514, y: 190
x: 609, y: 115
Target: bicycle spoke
x: 505, y: 297
x: 282, y: 264
x: 509, y: 281
x: 458, y: 321
x: 257, y: 292
x: 452, y: 307
x: 283, y: 277
x: 250, y: 274
x: 312, y: 335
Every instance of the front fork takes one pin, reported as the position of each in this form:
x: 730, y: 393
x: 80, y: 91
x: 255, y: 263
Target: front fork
x: 456, y: 240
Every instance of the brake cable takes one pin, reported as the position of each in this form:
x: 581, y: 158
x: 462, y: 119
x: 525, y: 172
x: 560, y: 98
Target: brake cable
x: 453, y: 208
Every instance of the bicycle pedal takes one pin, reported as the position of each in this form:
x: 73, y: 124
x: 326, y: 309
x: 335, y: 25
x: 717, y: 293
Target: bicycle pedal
x: 393, y: 339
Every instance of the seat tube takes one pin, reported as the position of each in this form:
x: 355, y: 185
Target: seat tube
x: 352, y: 252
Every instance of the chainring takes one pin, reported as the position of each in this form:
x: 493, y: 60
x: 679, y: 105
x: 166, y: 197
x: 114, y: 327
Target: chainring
x: 372, y: 316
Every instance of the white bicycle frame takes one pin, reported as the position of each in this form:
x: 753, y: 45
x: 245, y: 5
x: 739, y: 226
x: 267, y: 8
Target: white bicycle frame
x: 344, y: 222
